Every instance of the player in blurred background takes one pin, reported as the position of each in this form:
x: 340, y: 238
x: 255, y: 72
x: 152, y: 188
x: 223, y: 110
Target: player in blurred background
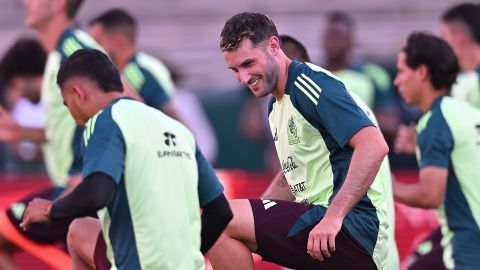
x: 366, y: 79
x: 448, y: 140
x: 61, y: 137
x: 116, y: 31
x: 21, y: 71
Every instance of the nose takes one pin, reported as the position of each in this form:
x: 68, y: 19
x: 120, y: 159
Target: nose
x: 396, y: 81
x: 243, y: 76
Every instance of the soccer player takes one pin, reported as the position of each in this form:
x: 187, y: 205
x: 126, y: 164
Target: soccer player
x: 330, y: 153
x: 116, y: 31
x: 448, y: 140
x: 61, y: 137
x: 142, y: 171
x: 368, y: 80
x: 295, y: 50
x: 21, y: 70
x: 461, y: 29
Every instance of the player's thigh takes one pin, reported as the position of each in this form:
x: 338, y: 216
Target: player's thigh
x: 242, y: 226
x: 82, y: 238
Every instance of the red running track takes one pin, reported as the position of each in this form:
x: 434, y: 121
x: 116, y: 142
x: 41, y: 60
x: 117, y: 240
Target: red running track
x: 411, y: 224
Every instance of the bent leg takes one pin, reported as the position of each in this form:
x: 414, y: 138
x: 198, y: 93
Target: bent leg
x: 82, y: 239
x: 233, y: 249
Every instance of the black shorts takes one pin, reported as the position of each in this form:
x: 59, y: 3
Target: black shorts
x: 43, y: 233
x: 100, y: 255
x: 273, y: 223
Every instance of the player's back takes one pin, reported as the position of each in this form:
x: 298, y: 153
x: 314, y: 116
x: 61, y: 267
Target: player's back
x: 151, y: 78
x: 158, y: 190
x: 60, y: 127
x: 467, y: 87
x: 449, y: 137
x: 358, y: 83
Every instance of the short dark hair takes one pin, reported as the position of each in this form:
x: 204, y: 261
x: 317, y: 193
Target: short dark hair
x: 94, y: 65
x: 300, y: 50
x: 467, y: 14
x: 25, y: 57
x: 72, y: 7
x: 256, y: 27
x: 436, y: 55
x: 118, y: 20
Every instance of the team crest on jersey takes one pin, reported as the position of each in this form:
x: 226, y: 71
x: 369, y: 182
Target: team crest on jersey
x: 292, y: 132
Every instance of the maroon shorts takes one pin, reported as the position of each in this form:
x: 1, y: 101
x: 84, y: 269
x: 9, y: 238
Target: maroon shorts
x: 273, y: 224
x: 431, y: 259
x: 43, y: 233
x: 100, y: 256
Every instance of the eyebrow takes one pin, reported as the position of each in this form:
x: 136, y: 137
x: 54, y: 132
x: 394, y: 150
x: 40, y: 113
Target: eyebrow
x: 244, y: 63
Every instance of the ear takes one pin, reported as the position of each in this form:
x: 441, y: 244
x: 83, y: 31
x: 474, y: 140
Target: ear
x: 273, y: 44
x: 423, y: 73
x: 80, y: 93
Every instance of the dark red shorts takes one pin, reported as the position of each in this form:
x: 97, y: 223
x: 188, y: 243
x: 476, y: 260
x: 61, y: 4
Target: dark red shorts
x: 100, y: 254
x: 431, y: 259
x: 43, y: 233
x: 273, y: 223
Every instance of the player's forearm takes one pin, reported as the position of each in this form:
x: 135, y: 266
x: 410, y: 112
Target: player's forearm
x: 36, y: 135
x: 412, y: 195
x: 278, y: 189
x: 429, y: 192
x: 94, y: 193
x: 366, y: 160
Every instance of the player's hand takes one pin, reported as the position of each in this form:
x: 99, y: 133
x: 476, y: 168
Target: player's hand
x: 9, y: 129
x: 37, y: 211
x: 321, y: 240
x: 405, y: 140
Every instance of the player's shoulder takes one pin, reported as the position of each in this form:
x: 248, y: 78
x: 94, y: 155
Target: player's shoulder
x: 310, y: 82
x: 74, y: 39
x: 150, y: 64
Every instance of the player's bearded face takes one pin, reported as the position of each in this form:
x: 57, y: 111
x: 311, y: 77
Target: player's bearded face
x: 270, y: 76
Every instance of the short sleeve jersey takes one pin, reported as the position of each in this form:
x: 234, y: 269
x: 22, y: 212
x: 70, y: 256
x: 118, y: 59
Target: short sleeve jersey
x: 467, y: 87
x: 153, y: 221
x: 62, y: 149
x: 358, y: 83
x: 311, y: 127
x: 150, y: 78
x: 448, y: 136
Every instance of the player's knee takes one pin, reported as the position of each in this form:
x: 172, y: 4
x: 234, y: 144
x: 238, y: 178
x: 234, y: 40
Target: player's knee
x: 75, y: 232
